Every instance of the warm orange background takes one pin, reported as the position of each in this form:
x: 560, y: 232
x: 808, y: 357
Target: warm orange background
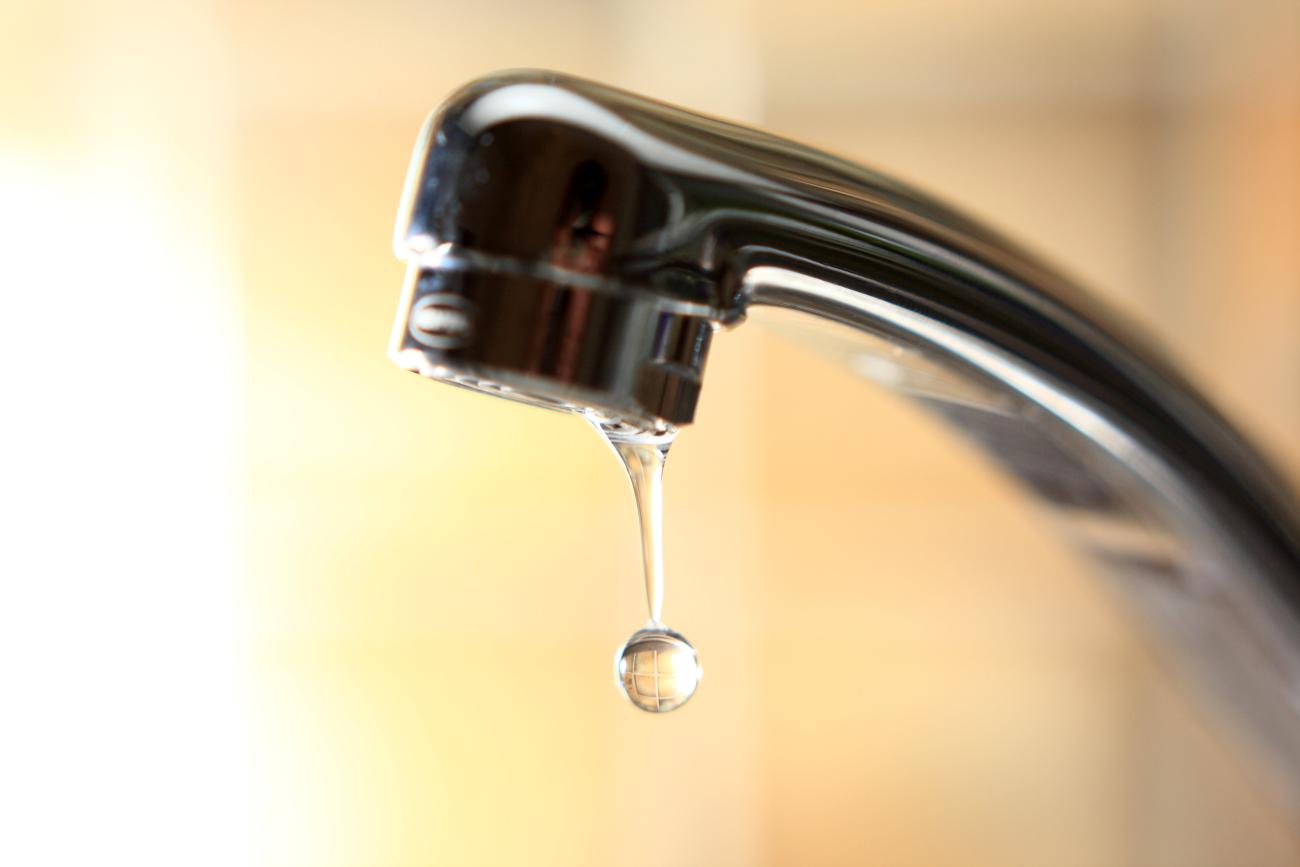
x: 287, y: 605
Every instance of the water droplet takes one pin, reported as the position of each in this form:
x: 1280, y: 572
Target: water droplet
x: 658, y: 669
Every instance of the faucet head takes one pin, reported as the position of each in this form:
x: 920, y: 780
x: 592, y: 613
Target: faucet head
x: 531, y: 232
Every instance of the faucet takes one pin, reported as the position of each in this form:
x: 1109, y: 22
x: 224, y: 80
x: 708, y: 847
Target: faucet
x: 576, y: 247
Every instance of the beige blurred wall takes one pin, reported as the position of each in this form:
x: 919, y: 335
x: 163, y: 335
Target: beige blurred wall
x: 904, y: 664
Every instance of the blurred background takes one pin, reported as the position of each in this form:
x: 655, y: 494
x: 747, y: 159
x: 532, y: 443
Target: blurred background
x: 272, y: 601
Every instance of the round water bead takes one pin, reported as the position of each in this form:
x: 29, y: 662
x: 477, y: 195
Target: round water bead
x: 658, y: 669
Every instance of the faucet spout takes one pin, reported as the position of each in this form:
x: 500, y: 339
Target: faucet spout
x: 576, y: 247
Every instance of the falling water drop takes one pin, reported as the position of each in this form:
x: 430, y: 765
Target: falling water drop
x: 657, y: 668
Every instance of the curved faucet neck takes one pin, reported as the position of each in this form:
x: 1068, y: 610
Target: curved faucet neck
x: 591, y: 240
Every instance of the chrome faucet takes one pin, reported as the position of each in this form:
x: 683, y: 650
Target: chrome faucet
x: 575, y: 246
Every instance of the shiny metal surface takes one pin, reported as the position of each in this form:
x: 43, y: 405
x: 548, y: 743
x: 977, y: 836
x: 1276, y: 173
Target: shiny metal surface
x: 575, y: 246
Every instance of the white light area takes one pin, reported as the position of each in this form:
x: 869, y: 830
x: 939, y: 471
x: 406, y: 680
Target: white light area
x: 123, y: 738
x: 685, y: 669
